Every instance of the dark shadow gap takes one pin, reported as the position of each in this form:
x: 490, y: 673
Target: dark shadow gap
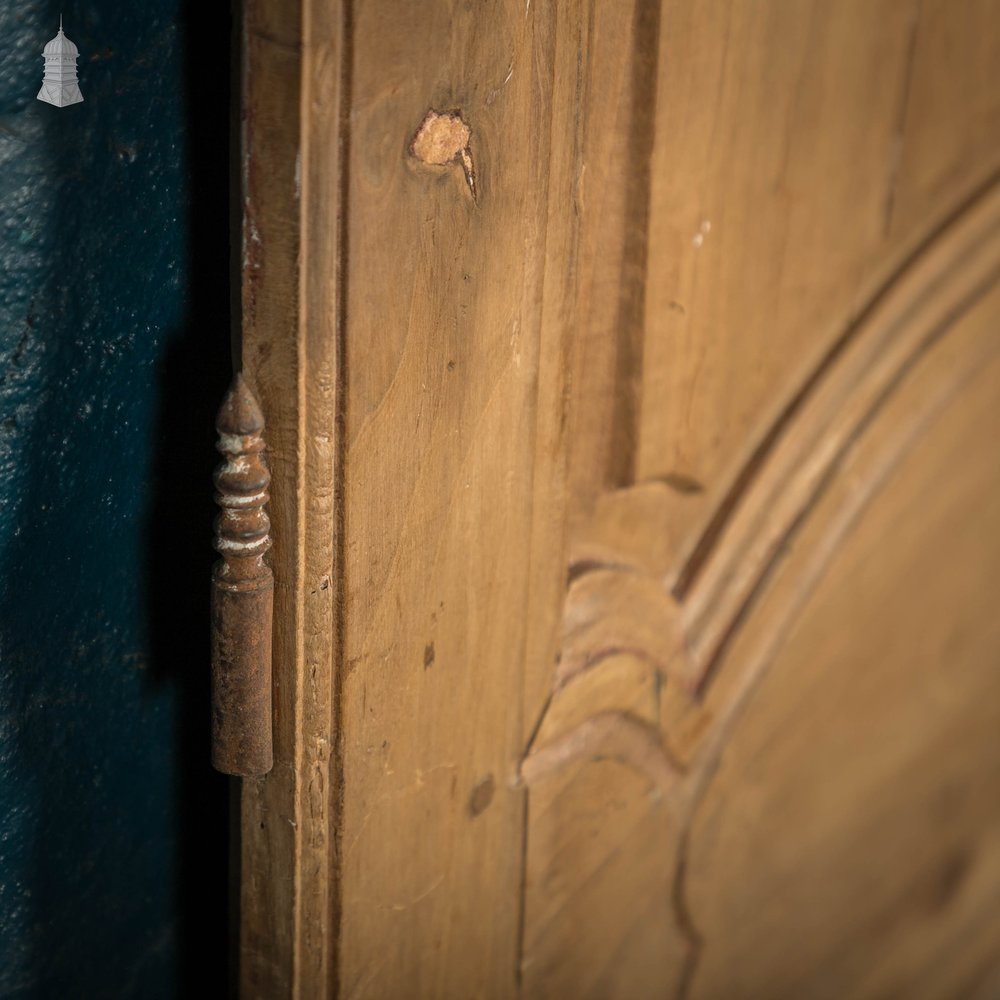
x: 192, y: 378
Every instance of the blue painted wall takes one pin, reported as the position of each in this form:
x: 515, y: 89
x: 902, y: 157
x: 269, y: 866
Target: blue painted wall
x: 113, y: 356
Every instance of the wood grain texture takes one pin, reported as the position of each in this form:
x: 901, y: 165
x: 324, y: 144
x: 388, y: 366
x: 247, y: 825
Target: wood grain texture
x: 747, y: 128
x: 451, y: 345
x: 593, y: 712
x: 270, y: 356
x: 293, y: 89
x: 949, y: 111
x: 599, y: 104
x: 865, y: 760
x: 612, y: 354
x: 441, y: 375
x: 745, y: 347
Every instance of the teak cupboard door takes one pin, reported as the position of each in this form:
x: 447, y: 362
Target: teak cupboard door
x: 632, y: 381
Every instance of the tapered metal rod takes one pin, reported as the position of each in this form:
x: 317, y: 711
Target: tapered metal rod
x: 242, y: 592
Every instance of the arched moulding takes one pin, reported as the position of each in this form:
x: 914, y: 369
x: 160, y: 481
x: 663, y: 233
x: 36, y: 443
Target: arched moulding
x: 926, y: 342
x: 952, y: 385
x: 611, y: 713
x: 612, y: 611
x: 630, y: 528
x: 569, y: 738
x: 680, y: 622
x: 782, y: 480
x: 618, y: 646
x: 937, y: 384
x: 617, y: 736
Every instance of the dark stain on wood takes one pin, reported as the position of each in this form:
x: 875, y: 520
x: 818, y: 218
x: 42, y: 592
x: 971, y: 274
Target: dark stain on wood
x: 482, y: 796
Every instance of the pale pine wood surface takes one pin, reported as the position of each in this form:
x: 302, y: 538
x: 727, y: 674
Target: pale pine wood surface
x: 634, y: 498
x: 829, y: 823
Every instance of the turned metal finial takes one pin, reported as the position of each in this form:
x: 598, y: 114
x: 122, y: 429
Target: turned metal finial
x: 242, y: 592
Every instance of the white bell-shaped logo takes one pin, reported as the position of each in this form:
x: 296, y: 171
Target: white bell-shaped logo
x: 59, y: 86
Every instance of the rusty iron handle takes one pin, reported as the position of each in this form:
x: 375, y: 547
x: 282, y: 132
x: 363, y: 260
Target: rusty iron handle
x: 242, y: 592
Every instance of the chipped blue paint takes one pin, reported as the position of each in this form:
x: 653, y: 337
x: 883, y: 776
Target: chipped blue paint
x: 94, y: 282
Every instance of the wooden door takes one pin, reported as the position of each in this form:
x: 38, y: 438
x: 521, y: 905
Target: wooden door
x: 632, y: 378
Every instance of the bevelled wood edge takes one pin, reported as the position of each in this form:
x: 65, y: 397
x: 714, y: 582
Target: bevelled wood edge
x: 294, y: 79
x: 270, y: 136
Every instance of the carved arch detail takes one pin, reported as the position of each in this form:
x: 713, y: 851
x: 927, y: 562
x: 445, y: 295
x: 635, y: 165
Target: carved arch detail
x: 680, y: 619
x: 840, y: 437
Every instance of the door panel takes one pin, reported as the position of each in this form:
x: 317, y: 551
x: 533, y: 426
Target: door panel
x: 828, y: 823
x: 631, y: 375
